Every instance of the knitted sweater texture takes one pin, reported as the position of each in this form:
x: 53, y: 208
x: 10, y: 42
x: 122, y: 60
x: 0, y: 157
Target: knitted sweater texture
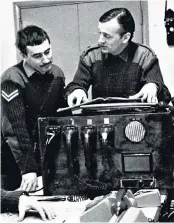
x: 10, y: 200
x: 24, y: 99
x: 118, y: 76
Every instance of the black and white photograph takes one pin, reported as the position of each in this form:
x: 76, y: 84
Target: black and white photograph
x: 87, y: 111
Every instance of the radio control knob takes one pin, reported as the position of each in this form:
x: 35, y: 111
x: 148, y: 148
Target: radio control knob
x: 140, y: 183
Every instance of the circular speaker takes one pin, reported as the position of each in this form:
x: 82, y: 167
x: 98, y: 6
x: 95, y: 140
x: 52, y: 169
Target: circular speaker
x: 135, y: 131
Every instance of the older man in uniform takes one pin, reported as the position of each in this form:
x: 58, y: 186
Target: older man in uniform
x: 116, y: 66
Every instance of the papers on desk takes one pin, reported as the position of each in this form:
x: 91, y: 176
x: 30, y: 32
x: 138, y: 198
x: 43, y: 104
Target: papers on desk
x: 116, y: 102
x: 119, y: 105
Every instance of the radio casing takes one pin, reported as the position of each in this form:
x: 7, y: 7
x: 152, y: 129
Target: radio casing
x: 94, y: 154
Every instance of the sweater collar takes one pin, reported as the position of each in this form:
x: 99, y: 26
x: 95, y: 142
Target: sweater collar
x: 123, y: 55
x: 29, y: 70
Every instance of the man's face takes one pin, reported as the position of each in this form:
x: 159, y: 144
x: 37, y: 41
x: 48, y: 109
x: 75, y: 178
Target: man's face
x: 110, y: 39
x: 39, y: 57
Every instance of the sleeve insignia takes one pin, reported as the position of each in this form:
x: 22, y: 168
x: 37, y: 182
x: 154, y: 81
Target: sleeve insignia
x: 9, y: 97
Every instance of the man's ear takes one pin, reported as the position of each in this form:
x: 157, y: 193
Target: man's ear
x: 21, y: 54
x: 126, y: 37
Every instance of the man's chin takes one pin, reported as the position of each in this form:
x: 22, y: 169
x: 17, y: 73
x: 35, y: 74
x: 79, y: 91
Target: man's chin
x: 104, y: 50
x: 46, y: 69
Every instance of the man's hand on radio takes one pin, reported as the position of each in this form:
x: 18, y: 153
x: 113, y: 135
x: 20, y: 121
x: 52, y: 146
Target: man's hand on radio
x: 29, y: 182
x: 77, y: 97
x: 147, y: 93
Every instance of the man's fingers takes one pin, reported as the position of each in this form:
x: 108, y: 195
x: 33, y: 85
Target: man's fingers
x: 49, y: 213
x: 79, y: 100
x: 53, y: 213
x: 21, y: 214
x: 77, y: 97
x: 154, y: 99
x: 29, y: 186
x: 151, y: 98
x: 135, y: 96
x: 23, y: 185
x: 34, y: 186
x: 85, y: 99
x: 45, y: 211
x: 70, y: 101
x: 144, y: 97
x: 39, y: 209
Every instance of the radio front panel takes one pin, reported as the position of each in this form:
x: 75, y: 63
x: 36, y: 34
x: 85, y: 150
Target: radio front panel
x: 103, y: 152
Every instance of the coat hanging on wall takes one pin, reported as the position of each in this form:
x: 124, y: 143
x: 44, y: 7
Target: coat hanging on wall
x: 169, y: 24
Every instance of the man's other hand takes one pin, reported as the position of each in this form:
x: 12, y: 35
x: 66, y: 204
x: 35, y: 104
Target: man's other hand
x: 29, y: 182
x: 148, y: 93
x: 77, y: 97
x: 26, y: 203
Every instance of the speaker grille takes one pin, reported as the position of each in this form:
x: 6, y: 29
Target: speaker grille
x: 135, y: 131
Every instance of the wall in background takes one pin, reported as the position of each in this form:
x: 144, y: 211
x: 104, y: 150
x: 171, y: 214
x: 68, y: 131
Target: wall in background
x: 157, y: 38
x: 77, y: 35
x: 7, y: 37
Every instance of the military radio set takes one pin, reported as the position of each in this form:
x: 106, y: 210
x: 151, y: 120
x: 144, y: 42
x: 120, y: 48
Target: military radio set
x: 105, y: 147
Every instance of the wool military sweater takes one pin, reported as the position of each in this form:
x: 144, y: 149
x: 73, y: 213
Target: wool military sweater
x: 10, y: 200
x: 122, y: 75
x: 24, y: 99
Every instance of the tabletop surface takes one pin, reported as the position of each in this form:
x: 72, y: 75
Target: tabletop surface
x: 66, y: 211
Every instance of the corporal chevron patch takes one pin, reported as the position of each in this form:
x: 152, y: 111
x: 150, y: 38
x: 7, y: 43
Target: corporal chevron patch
x: 9, y: 97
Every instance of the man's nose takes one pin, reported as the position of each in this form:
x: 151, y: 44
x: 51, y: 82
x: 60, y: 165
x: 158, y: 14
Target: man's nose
x: 45, y: 59
x: 101, y: 39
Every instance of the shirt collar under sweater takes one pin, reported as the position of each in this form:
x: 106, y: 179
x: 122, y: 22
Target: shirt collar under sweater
x: 123, y: 55
x: 29, y: 70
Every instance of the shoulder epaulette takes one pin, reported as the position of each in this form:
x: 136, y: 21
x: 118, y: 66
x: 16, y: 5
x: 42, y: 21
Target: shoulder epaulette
x: 90, y: 48
x: 148, y: 48
x: 15, y: 75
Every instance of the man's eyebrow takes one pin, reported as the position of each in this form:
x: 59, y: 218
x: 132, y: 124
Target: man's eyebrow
x: 104, y: 33
x: 47, y: 49
x: 35, y: 54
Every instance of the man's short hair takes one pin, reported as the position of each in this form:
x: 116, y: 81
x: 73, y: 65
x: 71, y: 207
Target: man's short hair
x: 123, y: 17
x: 30, y: 36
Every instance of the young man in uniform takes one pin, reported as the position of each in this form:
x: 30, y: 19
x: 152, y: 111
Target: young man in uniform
x: 32, y: 88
